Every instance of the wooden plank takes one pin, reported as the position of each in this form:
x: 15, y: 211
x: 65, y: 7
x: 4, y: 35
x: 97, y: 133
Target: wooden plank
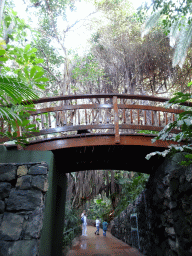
x: 68, y: 128
x: 95, y: 140
x: 103, y: 95
x: 143, y: 107
x: 116, y: 120
x: 145, y: 127
x: 103, y: 106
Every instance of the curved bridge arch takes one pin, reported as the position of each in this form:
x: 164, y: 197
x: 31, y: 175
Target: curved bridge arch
x: 108, y: 118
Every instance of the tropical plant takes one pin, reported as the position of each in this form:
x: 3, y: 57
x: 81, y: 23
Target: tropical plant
x: 130, y: 190
x: 184, y: 121
x: 176, y: 19
x: 19, y: 74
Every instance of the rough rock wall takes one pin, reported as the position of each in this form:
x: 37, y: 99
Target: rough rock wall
x: 22, y: 197
x: 164, y: 213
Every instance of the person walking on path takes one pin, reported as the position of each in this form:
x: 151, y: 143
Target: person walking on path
x: 97, y: 226
x: 84, y: 225
x: 82, y: 214
x: 105, y: 224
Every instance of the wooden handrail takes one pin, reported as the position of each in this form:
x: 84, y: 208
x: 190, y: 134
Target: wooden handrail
x: 105, y: 116
x: 104, y: 96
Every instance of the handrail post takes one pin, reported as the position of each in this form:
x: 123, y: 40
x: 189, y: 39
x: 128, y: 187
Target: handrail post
x: 116, y: 120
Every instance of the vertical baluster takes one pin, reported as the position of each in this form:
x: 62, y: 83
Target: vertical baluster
x: 138, y: 118
x: 78, y: 112
x: 145, y: 117
x: 173, y: 117
x: 18, y: 129
x: 108, y: 117
x: 85, y: 116
x: 124, y: 116
x: 159, y: 120
x: 71, y: 117
x: 131, y: 116
x: 42, y: 121
x: 57, y: 118
x: 74, y: 117
x: 49, y: 119
x: 100, y: 116
x: 166, y: 119
x: 152, y: 117
x: 9, y: 128
x: 93, y: 121
x: 34, y: 121
x: 64, y: 118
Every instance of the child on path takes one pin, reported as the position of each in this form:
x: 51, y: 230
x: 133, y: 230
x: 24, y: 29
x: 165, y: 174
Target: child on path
x: 105, y: 224
x: 97, y: 226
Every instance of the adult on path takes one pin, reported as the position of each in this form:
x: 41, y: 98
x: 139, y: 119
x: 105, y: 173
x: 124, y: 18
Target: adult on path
x: 83, y: 213
x: 84, y: 225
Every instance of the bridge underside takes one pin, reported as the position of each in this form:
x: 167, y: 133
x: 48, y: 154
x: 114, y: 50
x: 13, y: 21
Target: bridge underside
x: 89, y: 152
x: 114, y: 157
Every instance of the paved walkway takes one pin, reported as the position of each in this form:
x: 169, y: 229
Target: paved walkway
x: 98, y: 245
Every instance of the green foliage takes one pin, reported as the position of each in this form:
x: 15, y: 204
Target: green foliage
x: 99, y: 207
x: 175, y: 17
x: 86, y: 69
x: 147, y: 132
x: 20, y: 74
x: 28, y: 69
x: 19, y: 29
x: 130, y: 190
x: 184, y: 121
x: 72, y: 220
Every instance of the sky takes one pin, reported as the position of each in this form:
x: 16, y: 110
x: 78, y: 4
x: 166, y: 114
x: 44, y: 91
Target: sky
x: 77, y: 38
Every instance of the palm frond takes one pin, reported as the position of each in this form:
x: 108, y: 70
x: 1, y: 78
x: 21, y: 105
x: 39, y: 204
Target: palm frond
x: 150, y: 23
x: 175, y: 30
x: 8, y: 114
x: 182, y: 45
x: 16, y: 90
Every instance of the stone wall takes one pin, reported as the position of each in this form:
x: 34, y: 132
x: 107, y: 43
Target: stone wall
x: 22, y: 201
x: 164, y: 212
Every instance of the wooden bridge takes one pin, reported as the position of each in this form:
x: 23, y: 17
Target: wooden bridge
x: 93, y: 120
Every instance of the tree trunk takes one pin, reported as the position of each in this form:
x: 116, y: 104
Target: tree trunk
x: 2, y: 4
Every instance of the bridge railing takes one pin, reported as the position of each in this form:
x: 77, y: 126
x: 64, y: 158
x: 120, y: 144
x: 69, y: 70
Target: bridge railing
x: 103, y: 113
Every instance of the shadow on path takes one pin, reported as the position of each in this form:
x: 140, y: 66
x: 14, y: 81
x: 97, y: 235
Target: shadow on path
x: 98, y: 245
